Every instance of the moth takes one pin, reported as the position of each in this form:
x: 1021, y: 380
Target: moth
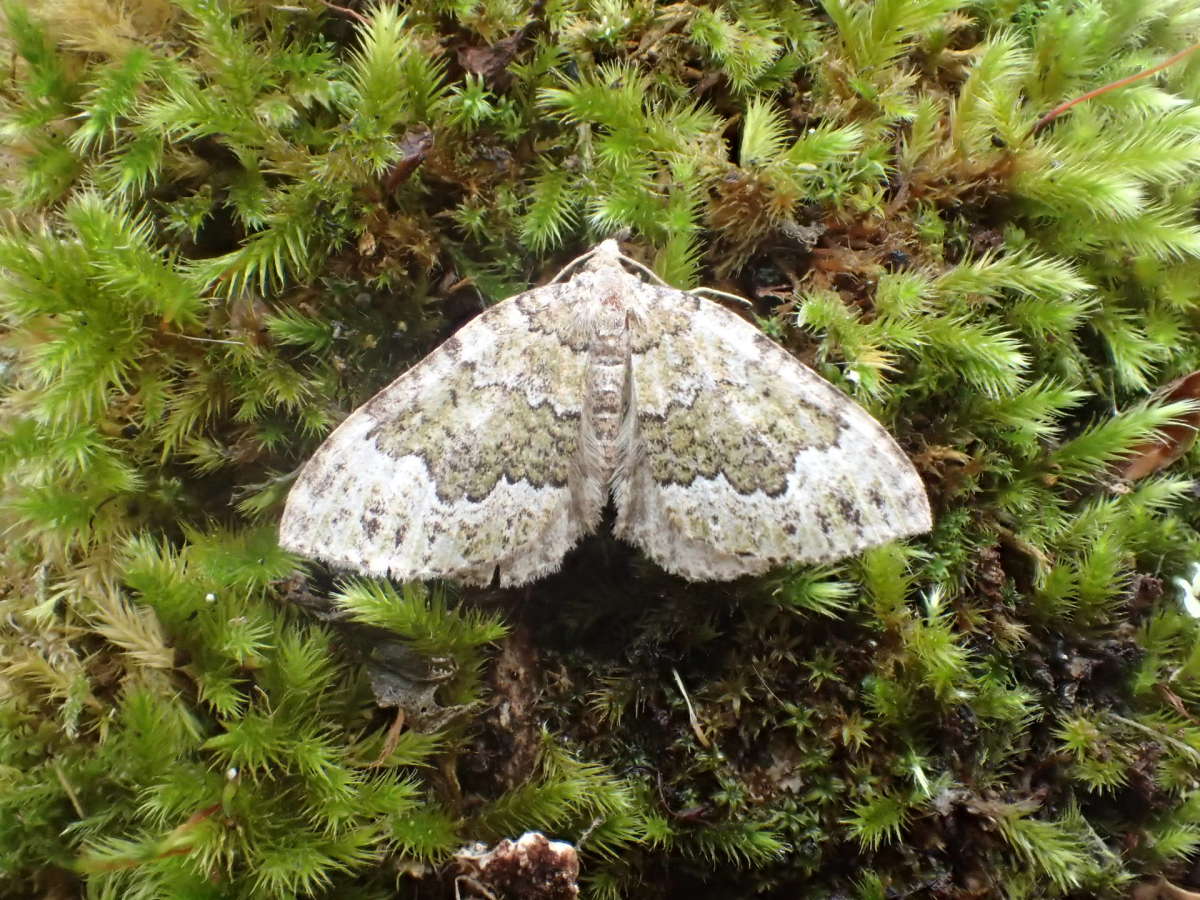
x: 487, y: 461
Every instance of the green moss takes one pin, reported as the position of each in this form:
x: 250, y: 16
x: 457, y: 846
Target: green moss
x: 224, y: 235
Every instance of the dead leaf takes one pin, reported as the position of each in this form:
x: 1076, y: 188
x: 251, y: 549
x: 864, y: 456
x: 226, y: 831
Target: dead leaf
x: 489, y: 63
x: 936, y: 453
x: 414, y: 147
x: 1173, y: 440
x: 1161, y: 889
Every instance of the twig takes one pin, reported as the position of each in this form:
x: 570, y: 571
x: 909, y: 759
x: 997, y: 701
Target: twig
x: 1112, y: 86
x: 1165, y: 738
x: 188, y: 337
x: 347, y: 12
x: 70, y: 791
x: 692, y: 717
x: 391, y: 739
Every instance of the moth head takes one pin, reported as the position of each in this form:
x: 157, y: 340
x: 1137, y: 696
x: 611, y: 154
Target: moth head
x: 609, y: 249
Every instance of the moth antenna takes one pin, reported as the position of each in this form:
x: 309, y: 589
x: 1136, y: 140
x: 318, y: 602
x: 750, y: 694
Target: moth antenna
x: 644, y: 269
x: 717, y: 293
x: 599, y: 248
x: 576, y: 262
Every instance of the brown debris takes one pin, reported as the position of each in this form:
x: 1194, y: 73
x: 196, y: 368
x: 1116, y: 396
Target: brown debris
x: 490, y: 63
x: 516, y: 688
x: 1173, y: 440
x: 414, y: 147
x: 1144, y: 593
x: 530, y: 868
x: 1161, y: 889
x: 989, y: 573
x: 1174, y: 701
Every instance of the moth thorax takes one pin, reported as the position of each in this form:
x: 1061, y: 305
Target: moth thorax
x: 607, y: 371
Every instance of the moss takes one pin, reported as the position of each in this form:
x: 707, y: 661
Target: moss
x: 229, y: 222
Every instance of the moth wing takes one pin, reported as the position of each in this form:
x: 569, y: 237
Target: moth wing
x: 467, y: 463
x: 738, y: 457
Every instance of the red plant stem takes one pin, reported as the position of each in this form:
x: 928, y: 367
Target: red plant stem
x: 348, y: 12
x: 1112, y: 86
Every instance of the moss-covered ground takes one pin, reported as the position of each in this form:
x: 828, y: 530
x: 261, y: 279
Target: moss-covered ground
x: 225, y: 223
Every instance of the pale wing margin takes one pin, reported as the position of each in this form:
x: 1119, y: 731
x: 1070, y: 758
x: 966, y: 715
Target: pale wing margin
x: 466, y: 463
x: 740, y: 458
